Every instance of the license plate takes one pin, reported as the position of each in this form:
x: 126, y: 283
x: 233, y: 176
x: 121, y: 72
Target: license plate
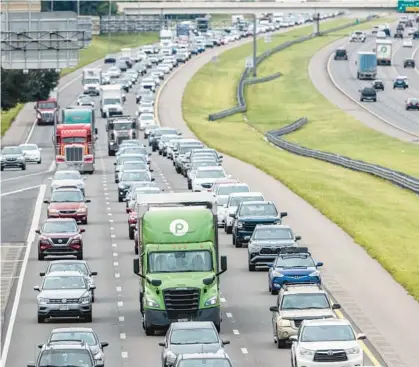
x: 182, y: 320
x: 64, y: 308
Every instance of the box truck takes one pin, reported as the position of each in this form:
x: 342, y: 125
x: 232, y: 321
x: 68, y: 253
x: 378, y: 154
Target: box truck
x: 367, y: 66
x: 111, y: 101
x: 92, y: 79
x: 383, y: 50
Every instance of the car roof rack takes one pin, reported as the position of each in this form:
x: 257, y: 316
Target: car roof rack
x: 306, y: 284
x: 293, y: 250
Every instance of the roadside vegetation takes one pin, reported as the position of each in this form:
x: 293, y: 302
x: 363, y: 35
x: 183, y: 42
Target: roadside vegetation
x: 377, y: 215
x: 97, y: 50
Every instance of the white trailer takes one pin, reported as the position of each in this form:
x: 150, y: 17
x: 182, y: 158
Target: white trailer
x: 126, y: 52
x: 92, y: 80
x: 384, y: 51
x: 111, y: 101
x: 166, y: 38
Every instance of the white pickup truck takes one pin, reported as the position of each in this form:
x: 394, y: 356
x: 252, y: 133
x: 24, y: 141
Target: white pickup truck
x: 358, y: 36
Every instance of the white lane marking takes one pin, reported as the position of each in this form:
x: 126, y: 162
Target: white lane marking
x: 110, y: 220
x: 113, y: 236
x: 105, y: 188
x: 30, y: 132
x: 116, y: 263
x: 120, y: 304
x: 24, y: 176
x: 51, y: 167
x: 20, y: 190
x: 119, y: 289
x: 229, y: 315
x: 107, y: 203
x: 124, y: 355
x: 110, y: 214
x: 115, y: 254
x: 114, y: 245
x: 121, y: 318
x: 30, y: 239
x: 223, y: 300
x: 244, y: 350
x: 236, y: 332
x: 108, y: 209
x: 112, y: 228
x: 413, y: 57
x: 122, y: 336
x: 117, y: 275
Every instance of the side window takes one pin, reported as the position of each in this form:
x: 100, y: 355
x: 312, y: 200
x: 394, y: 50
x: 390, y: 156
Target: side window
x: 279, y: 300
x: 299, y: 333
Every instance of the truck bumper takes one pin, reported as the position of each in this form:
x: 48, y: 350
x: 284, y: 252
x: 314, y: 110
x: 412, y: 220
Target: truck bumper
x: 159, y: 320
x: 79, y: 166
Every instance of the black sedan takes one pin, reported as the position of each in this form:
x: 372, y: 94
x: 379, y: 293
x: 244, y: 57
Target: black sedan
x: 378, y: 85
x: 409, y: 63
x: 110, y: 59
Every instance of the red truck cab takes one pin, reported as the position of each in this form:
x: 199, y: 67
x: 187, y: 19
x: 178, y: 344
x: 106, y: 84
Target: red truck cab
x: 47, y: 111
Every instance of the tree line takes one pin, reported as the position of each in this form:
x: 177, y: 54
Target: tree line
x: 18, y: 87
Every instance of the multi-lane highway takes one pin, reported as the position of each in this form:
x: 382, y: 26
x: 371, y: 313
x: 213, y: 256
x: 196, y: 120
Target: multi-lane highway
x: 246, y: 301
x: 391, y: 103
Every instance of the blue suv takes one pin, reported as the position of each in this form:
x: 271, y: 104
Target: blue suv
x: 251, y: 213
x: 293, y: 265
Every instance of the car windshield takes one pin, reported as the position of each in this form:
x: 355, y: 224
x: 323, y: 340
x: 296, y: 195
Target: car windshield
x: 66, y: 175
x: 413, y: 100
x: 67, y: 197
x: 189, y: 148
x: 227, y: 190
x: 327, y: 333
x: 107, y: 101
x: 197, y: 156
x: 164, y: 132
x: 194, y: 336
x: 61, y: 266
x: 210, y: 173
x: 86, y: 336
x: 147, y: 117
x: 134, y: 165
x: 63, y: 282
x: 46, y: 105
x: 11, y: 150
x: 258, y: 209
x: 235, y: 201
x: 180, y: 261
x: 68, y: 226
x: 135, y: 176
x: 121, y: 160
x: 205, y: 362
x: 28, y: 147
x: 168, y: 137
x: 221, y: 200
x: 122, y: 126
x: 303, y: 301
x: 64, y: 358
x: 294, y: 261
x: 134, y: 150
x: 273, y: 234
x: 146, y: 105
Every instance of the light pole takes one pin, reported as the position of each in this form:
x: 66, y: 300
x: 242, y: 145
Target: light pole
x: 109, y: 23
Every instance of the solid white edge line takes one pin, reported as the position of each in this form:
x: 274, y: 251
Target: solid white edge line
x: 329, y: 73
x: 31, y: 237
x: 21, y: 190
x: 413, y: 57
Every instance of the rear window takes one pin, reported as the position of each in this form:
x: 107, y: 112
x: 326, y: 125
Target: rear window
x: 340, y: 52
x: 369, y: 92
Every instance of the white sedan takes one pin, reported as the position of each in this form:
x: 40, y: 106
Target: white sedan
x: 31, y: 153
x: 146, y: 119
x: 145, y: 108
x: 114, y: 72
x: 407, y: 43
x: 67, y: 179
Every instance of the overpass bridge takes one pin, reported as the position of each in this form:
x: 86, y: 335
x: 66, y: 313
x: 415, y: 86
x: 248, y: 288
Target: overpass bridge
x: 254, y: 7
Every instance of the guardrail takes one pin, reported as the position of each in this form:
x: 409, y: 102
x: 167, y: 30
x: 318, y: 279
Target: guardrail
x: 398, y: 178
x: 241, y: 102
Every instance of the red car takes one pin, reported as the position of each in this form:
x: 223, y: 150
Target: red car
x: 132, y: 220
x: 60, y: 237
x: 68, y: 203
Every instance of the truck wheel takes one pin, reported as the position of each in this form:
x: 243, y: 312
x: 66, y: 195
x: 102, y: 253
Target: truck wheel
x: 89, y: 317
x: 252, y: 267
x: 281, y: 343
x: 24, y: 167
x: 177, y: 169
x: 189, y: 185
x: 41, y: 319
x: 131, y: 233
x: 41, y: 256
x: 218, y: 327
x: 80, y: 255
x: 160, y: 152
x: 229, y: 230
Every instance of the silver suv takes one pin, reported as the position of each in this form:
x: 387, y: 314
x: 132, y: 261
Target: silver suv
x: 298, y: 302
x: 64, y: 295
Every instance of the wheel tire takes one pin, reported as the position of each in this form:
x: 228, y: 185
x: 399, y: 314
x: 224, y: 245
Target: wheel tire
x: 252, y: 267
x: 131, y: 233
x: 24, y: 167
x: 41, y: 256
x: 40, y: 161
x: 218, y: 327
x: 80, y: 255
x: 177, y: 169
x: 84, y: 221
x: 136, y: 250
x: 229, y: 230
x: 41, y: 319
x: 160, y: 152
x: 280, y: 343
x: 119, y: 199
x: 375, y: 100
x: 189, y: 186
x: 89, y: 317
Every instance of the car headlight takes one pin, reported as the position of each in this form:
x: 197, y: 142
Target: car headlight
x: 81, y: 210
x: 84, y: 300
x: 43, y: 300
x: 277, y: 274
x: 151, y: 303
x: 315, y: 273
x: 239, y: 225
x: 52, y: 210
x: 255, y: 247
x: 112, y: 143
x: 21, y: 158
x: 122, y: 186
x: 306, y: 352
x: 354, y: 350
x: 284, y: 323
x: 212, y: 301
x: 170, y: 357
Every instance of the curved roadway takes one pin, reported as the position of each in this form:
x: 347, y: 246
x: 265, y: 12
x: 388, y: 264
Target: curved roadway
x: 391, y: 103
x: 116, y: 315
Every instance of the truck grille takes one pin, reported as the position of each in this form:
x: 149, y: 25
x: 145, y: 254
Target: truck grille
x: 60, y: 300
x: 330, y: 356
x: 251, y: 226
x: 47, y: 116
x: 181, y: 302
x: 56, y: 241
x: 270, y: 251
x: 74, y: 154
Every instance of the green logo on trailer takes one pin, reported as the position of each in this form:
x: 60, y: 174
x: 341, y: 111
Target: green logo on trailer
x: 179, y: 227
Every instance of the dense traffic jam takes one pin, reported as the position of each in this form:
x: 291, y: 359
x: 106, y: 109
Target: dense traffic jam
x: 175, y: 234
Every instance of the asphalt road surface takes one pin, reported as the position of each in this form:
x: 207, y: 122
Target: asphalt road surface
x: 391, y: 103
x: 246, y: 301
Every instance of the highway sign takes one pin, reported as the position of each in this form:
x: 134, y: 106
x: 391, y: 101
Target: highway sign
x: 408, y: 6
x: 268, y: 38
x: 249, y: 62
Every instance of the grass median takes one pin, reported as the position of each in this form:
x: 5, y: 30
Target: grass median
x: 98, y: 49
x: 379, y: 216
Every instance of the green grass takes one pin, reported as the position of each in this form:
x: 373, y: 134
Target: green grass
x: 97, y: 50
x: 377, y: 215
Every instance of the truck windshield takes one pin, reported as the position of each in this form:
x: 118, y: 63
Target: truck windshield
x: 47, y: 105
x: 111, y: 101
x: 180, y: 261
x: 74, y: 140
x: 90, y: 81
x: 122, y: 126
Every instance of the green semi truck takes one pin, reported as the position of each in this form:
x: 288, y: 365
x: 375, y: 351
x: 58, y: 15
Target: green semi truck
x: 179, y: 262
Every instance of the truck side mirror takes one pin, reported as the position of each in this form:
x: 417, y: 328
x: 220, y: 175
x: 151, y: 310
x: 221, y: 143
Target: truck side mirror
x: 136, y: 266
x: 283, y: 214
x: 297, y: 238
x: 274, y: 309
x: 223, y: 263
